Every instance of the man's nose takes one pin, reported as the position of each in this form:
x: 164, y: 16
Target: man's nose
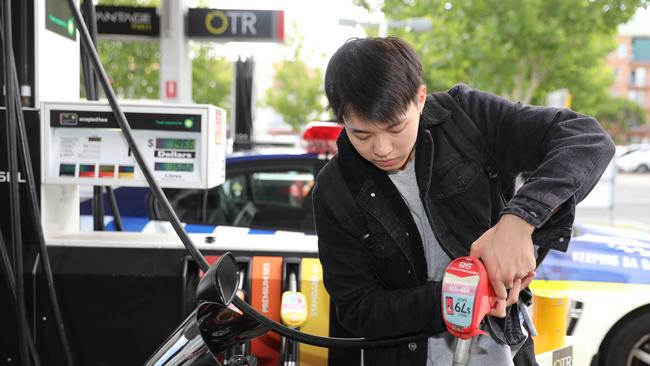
x: 382, y: 146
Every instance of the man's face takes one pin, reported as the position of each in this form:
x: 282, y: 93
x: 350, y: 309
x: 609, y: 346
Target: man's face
x: 389, y: 144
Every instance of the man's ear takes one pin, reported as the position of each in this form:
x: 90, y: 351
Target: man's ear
x: 422, y: 96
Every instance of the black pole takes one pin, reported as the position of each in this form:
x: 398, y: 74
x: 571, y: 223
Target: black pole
x: 25, y: 86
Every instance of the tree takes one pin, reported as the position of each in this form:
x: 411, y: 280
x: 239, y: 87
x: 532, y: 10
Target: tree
x: 618, y: 115
x: 211, y: 76
x: 133, y: 67
x: 297, y: 90
x: 520, y: 49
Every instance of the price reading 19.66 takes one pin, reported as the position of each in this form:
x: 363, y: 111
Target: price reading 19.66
x: 175, y: 144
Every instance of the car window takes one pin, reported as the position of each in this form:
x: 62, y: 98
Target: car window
x: 275, y: 199
x: 281, y: 188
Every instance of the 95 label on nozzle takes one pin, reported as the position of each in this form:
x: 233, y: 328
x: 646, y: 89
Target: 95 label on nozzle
x: 459, y: 293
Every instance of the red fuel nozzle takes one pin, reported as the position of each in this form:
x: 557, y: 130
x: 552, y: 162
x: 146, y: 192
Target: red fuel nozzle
x: 467, y: 297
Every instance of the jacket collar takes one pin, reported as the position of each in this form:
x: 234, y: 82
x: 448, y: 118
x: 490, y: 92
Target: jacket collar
x: 433, y: 113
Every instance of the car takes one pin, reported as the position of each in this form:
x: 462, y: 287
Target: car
x: 637, y: 161
x: 606, y: 270
x: 606, y: 274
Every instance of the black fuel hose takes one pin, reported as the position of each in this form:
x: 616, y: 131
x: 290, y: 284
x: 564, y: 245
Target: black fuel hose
x: 11, y: 109
x: 117, y: 218
x: 11, y: 81
x: 11, y: 284
x: 90, y: 85
x: 185, y: 239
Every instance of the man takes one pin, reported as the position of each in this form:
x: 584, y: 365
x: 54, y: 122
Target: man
x: 422, y: 200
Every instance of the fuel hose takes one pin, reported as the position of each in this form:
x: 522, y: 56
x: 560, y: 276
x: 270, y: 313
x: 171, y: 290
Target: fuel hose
x: 15, y: 114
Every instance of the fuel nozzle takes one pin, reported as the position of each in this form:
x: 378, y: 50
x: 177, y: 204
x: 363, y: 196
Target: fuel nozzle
x: 293, y: 312
x: 467, y: 297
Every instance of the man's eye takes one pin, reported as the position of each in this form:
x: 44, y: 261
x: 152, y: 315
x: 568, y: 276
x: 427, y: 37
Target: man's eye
x: 397, y: 130
x: 363, y: 137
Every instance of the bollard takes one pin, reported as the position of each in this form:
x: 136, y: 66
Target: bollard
x: 550, y: 311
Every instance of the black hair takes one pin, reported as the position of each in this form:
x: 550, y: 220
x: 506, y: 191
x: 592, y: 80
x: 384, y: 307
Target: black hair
x: 374, y: 78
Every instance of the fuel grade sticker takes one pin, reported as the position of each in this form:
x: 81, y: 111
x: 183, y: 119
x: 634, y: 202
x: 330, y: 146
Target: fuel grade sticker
x: 458, y: 293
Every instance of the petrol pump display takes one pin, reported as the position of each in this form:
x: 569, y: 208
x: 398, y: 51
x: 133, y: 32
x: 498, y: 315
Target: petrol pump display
x: 184, y: 146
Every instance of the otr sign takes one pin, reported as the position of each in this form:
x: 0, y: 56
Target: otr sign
x: 240, y: 22
x: 236, y: 25
x: 217, y: 24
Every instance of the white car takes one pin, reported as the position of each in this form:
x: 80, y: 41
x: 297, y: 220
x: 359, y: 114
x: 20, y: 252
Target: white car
x: 635, y: 161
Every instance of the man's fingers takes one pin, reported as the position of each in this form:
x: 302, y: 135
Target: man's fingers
x: 513, y: 296
x: 528, y: 279
x: 499, y: 309
x: 500, y: 290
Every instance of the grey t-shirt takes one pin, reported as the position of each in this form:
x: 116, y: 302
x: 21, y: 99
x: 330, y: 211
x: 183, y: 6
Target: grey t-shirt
x: 484, y: 350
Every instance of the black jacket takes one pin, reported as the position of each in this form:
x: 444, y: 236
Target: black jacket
x: 379, y: 286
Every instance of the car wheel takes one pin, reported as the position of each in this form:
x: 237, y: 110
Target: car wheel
x: 643, y: 168
x: 629, y: 345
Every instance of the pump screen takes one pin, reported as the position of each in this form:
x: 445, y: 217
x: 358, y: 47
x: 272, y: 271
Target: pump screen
x: 174, y: 167
x: 175, y: 144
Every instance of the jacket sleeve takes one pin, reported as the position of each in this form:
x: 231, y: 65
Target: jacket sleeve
x: 363, y: 305
x: 565, y: 151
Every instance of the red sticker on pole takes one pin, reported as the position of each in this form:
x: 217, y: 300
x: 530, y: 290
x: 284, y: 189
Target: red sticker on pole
x: 171, y: 89
x: 467, y: 297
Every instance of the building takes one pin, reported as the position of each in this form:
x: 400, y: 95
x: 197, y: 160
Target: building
x: 631, y: 65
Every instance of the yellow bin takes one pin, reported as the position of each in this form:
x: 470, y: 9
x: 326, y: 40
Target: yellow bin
x: 550, y: 312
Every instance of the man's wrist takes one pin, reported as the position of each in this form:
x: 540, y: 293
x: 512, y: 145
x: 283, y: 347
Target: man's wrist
x: 519, y: 222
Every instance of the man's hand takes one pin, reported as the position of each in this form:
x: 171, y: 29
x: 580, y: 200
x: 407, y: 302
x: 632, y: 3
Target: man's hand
x: 508, y: 254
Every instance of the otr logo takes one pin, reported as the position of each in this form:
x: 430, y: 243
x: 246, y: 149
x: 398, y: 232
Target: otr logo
x: 566, y: 361
x: 240, y: 22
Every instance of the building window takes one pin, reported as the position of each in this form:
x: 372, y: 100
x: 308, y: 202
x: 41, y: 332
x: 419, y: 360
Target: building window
x: 638, y: 76
x: 621, y: 51
x: 641, y: 49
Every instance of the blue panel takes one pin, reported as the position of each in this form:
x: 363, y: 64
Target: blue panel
x: 260, y: 232
x: 600, y: 259
x: 199, y: 229
x: 129, y: 224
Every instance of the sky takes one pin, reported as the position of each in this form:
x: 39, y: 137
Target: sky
x: 316, y: 21
x: 639, y: 25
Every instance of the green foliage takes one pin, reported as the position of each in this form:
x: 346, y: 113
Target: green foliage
x: 618, y: 115
x: 520, y: 49
x: 297, y: 90
x: 133, y: 67
x: 211, y: 76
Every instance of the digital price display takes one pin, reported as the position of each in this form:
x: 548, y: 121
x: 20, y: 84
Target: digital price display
x: 175, y: 144
x: 174, y: 167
